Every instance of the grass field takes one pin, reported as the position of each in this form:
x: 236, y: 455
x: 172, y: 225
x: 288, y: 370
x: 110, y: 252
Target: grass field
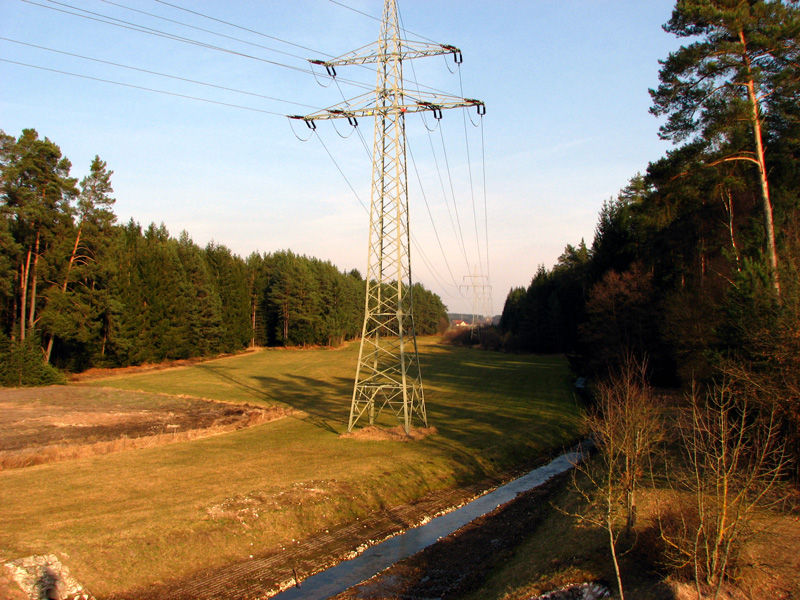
x: 124, y: 520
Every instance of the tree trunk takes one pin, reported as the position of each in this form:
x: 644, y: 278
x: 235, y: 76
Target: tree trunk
x: 285, y: 320
x: 64, y: 288
x: 32, y: 310
x: 24, y: 272
x: 727, y: 200
x: 610, y: 530
x: 762, y: 169
x: 253, y: 319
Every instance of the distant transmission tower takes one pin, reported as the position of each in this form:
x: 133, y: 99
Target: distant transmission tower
x: 388, y: 371
x: 481, y: 301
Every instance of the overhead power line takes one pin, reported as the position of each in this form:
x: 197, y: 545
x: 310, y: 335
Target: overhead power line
x: 229, y: 37
x: 374, y: 18
x: 272, y: 37
x: 140, y: 87
x: 140, y: 70
x: 199, y: 14
x: 171, y: 36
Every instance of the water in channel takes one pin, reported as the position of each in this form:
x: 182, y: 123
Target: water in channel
x: 376, y: 558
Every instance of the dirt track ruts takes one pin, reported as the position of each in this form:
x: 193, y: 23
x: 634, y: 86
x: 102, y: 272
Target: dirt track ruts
x: 269, y: 572
x: 459, y: 563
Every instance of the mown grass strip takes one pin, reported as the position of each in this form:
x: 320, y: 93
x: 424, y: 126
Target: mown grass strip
x: 132, y: 518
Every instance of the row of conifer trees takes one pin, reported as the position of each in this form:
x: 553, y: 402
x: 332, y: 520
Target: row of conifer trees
x: 78, y: 290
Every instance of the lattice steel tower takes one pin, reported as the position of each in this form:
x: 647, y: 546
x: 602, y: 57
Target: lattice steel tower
x: 388, y: 373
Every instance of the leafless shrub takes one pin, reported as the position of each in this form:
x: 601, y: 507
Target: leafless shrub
x: 732, y: 461
x: 626, y: 427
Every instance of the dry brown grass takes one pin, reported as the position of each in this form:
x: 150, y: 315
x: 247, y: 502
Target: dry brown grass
x: 27, y: 457
x: 127, y: 520
x: 768, y: 560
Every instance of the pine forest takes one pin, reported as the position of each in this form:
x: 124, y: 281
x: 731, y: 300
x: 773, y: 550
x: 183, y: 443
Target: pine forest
x: 78, y: 290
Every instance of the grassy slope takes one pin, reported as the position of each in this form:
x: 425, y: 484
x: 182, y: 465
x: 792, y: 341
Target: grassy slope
x: 127, y: 519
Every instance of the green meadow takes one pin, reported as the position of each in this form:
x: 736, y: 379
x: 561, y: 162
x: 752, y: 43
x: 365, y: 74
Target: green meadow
x: 127, y: 519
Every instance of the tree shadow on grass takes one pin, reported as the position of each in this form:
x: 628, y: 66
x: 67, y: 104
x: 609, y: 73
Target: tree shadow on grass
x: 467, y: 417
x: 327, y: 403
x: 219, y: 373
x: 301, y: 393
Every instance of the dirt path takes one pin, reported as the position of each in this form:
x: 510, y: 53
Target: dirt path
x: 460, y: 562
x: 269, y: 572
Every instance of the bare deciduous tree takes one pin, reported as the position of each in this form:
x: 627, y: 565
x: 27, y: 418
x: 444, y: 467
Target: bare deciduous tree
x: 626, y: 427
x: 733, y: 459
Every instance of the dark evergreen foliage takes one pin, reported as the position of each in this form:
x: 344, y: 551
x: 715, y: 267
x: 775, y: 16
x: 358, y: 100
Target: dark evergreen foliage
x: 675, y: 251
x: 77, y: 290
x: 684, y: 267
x: 21, y: 365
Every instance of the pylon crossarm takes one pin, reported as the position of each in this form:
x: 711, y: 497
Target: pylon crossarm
x: 371, y: 53
x: 365, y: 106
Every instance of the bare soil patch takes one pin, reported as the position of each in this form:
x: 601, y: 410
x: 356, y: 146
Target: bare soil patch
x: 40, y: 425
x: 393, y: 434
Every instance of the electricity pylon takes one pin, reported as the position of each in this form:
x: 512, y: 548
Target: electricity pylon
x: 481, y: 301
x: 388, y: 372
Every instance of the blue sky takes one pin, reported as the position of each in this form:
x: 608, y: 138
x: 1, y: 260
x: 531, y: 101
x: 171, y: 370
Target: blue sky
x: 565, y: 84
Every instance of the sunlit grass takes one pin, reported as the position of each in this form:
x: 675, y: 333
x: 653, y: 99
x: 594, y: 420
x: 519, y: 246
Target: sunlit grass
x: 135, y: 517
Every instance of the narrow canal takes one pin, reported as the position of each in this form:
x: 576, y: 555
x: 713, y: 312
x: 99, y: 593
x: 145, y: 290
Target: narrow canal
x: 381, y: 556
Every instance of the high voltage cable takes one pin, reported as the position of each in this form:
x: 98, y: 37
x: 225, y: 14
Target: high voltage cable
x: 207, y: 30
x: 374, y: 18
x: 347, y: 181
x: 430, y: 215
x: 471, y: 187
x: 100, y: 18
x: 139, y: 87
x: 453, y: 195
x: 151, y: 31
x: 272, y: 37
x: 205, y: 16
x: 199, y: 14
x: 157, y: 33
x: 444, y: 192
x: 426, y: 261
x: 106, y: 62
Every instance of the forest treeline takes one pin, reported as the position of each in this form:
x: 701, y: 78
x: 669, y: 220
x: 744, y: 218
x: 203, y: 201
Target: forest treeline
x: 78, y: 290
x: 692, y: 280
x: 695, y: 265
x: 697, y: 258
